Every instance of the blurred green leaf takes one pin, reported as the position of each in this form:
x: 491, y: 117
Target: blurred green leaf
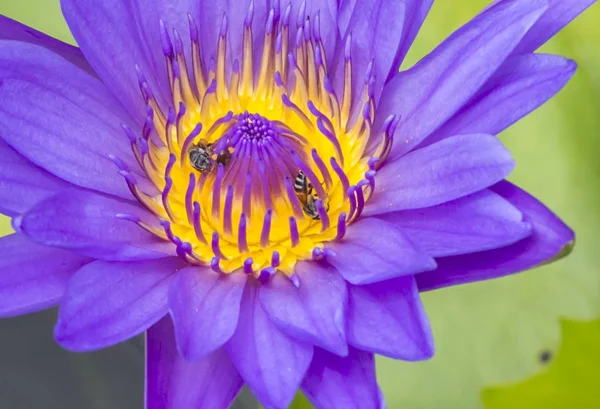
x: 4, y: 226
x: 570, y: 380
x: 301, y: 402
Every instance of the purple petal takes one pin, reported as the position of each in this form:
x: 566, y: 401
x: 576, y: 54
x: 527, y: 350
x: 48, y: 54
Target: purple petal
x: 110, y: 302
x: 33, y: 277
x: 333, y: 382
x: 172, y: 383
x: 550, y: 239
x: 147, y: 15
x: 271, y: 363
x: 22, y: 184
x: 414, y: 17
x: 482, y: 221
x: 374, y: 42
x: 522, y: 84
x: 445, y: 171
x: 205, y: 307
x: 108, y: 34
x: 87, y: 223
x: 61, y: 118
x: 559, y: 14
x: 13, y: 30
x: 345, y: 9
x: 405, y: 20
x: 313, y: 313
x: 439, y: 85
x: 374, y: 250
x: 388, y: 319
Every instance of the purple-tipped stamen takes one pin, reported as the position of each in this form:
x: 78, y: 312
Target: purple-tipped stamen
x: 189, y: 198
x: 279, y: 44
x: 266, y: 274
x: 285, y: 20
x: 266, y: 229
x: 171, y: 117
x: 248, y: 266
x: 328, y: 253
x: 215, y: 246
x: 216, y: 194
x: 341, y: 175
x: 119, y: 163
x: 249, y: 15
x: 322, y: 168
x: 265, y: 185
x: 322, y: 215
x: 169, y: 167
x: 183, y: 250
x: 275, y: 259
x: 317, y: 27
x: 167, y: 46
x: 214, y: 264
x: 317, y: 254
x: 301, y: 115
x: 227, y: 210
x: 198, y: 224
x: 144, y: 148
x: 221, y: 121
x: 247, y: 202
x: 242, y: 239
x: 224, y: 26
x: 370, y: 175
x: 294, y: 235
x: 193, y: 29
x: 166, y: 225
x: 189, y: 141
x: 269, y: 25
x: 165, y: 198
x: 332, y: 138
x: 307, y: 30
x: 128, y: 217
x: 341, y: 226
x: 292, y: 198
x: 360, y: 200
x: 301, y: 14
x: 348, y: 48
x: 130, y: 135
x: 352, y: 198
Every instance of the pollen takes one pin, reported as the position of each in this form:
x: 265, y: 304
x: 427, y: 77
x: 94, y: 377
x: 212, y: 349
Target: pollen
x: 255, y: 163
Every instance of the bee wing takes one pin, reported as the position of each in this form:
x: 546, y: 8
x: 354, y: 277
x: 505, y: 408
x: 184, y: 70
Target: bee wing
x: 303, y: 197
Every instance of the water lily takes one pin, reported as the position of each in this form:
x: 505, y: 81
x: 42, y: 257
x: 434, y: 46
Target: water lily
x: 257, y: 186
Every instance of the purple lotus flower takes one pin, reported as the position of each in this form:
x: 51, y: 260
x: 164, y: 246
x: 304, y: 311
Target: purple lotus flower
x: 258, y: 187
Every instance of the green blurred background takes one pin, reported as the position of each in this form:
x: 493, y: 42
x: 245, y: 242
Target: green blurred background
x: 493, y: 333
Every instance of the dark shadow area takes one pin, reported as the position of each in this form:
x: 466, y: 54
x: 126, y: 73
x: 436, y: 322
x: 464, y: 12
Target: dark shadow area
x: 36, y: 373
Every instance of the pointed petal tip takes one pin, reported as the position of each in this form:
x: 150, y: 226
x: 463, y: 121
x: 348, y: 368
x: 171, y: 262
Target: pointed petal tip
x: 564, y: 251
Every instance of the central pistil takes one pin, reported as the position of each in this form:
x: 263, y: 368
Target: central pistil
x: 256, y: 171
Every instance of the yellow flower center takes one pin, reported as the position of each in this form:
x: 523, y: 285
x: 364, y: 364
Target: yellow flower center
x: 256, y: 170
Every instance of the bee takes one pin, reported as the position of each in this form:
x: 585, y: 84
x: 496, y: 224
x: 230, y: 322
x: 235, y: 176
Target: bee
x: 224, y: 156
x: 202, y: 156
x: 307, y: 196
